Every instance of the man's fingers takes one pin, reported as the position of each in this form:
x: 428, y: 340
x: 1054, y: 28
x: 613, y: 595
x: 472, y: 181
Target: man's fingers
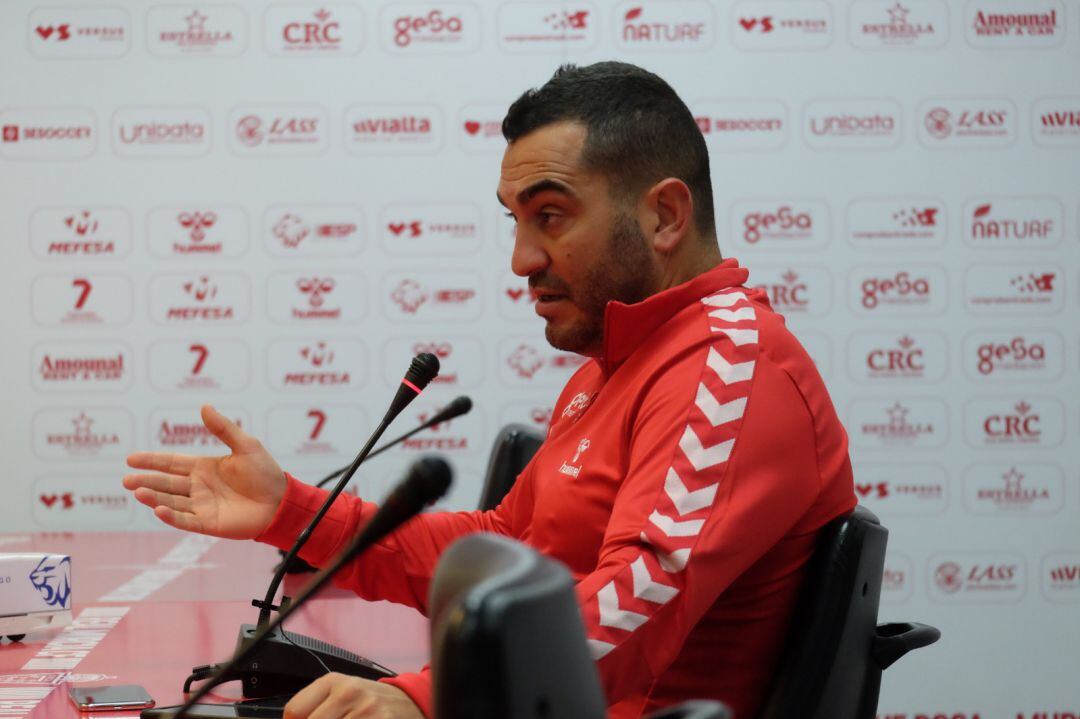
x: 154, y: 500
x: 180, y: 520
x: 309, y: 698
x: 159, y: 483
x: 162, y: 462
x: 224, y: 429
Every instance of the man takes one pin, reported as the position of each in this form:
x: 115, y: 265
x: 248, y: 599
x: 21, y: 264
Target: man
x: 688, y: 465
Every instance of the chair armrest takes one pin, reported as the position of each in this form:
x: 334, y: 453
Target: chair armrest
x: 893, y: 641
x: 695, y: 709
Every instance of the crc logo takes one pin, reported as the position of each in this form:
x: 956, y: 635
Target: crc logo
x: 306, y: 30
x: 321, y: 32
x: 914, y: 24
x: 1015, y: 24
x: 788, y: 295
x: 900, y: 288
x: 904, y: 360
x: 668, y: 26
x: 434, y: 27
x: 1014, y: 423
x: 1022, y: 425
x: 1017, y: 354
x: 1014, y: 222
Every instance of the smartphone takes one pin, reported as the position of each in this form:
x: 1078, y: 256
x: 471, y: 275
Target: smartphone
x: 110, y: 698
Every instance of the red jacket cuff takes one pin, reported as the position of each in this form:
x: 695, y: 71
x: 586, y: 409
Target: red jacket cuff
x: 418, y: 687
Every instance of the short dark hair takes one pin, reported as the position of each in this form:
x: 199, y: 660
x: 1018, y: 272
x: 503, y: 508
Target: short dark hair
x: 638, y: 130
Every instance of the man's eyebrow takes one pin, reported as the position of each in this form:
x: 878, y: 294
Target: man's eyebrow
x: 537, y: 187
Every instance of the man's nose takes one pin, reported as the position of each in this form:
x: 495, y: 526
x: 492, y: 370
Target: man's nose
x: 528, y: 257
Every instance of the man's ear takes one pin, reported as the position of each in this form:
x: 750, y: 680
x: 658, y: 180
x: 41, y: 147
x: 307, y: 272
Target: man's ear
x: 670, y: 210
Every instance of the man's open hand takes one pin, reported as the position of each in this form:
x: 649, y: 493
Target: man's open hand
x: 337, y: 696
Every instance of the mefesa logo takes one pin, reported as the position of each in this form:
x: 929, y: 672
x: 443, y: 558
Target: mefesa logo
x: 432, y: 295
x: 992, y: 289
x: 677, y: 25
x: 426, y: 28
x: 100, y: 232
x: 161, y: 131
x: 908, y: 24
x: 81, y: 433
x: 79, y: 32
x: 877, y: 356
x: 456, y: 435
x: 977, y: 577
x: 377, y: 129
x: 896, y: 223
x: 770, y: 25
x: 807, y: 291
x: 66, y: 300
x: 1013, y: 222
x: 291, y: 130
x: 739, y: 126
x: 304, y: 30
x: 316, y: 364
x: 199, y: 365
x: 181, y: 429
x: 52, y: 134
x: 911, y: 291
x: 311, y: 296
x: 967, y: 123
x: 176, y: 31
x: 1012, y: 423
x: 207, y: 298
x: 780, y: 224
x: 1008, y: 489
x: 81, y: 366
x: 434, y: 230
x: 536, y: 26
x: 856, y: 124
x: 903, y: 490
x: 991, y: 24
x: 1019, y: 355
x: 912, y: 423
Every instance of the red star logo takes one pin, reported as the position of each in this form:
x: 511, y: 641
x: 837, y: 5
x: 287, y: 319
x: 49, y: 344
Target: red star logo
x: 1012, y: 480
x: 195, y: 21
x: 898, y: 14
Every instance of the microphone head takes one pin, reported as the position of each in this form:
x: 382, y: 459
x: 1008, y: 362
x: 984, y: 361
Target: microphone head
x: 424, y: 368
x: 457, y: 407
x: 429, y: 478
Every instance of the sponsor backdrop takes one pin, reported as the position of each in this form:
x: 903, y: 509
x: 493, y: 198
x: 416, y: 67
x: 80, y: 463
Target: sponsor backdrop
x: 274, y: 206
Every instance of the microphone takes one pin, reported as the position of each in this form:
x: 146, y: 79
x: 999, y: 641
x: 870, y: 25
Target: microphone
x: 427, y: 481
x: 457, y: 407
x: 285, y: 664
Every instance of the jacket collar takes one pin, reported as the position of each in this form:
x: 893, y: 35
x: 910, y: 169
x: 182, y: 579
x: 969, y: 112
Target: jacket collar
x: 626, y: 327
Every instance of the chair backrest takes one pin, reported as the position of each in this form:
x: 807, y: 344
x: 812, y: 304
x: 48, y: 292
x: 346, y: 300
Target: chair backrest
x: 514, y: 446
x: 827, y: 671
x: 507, y: 639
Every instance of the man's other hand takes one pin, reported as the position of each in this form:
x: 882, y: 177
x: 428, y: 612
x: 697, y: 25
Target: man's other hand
x: 235, y: 496
x: 337, y: 696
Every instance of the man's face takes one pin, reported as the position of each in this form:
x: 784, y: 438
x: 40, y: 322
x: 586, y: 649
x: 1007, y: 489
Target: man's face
x: 578, y: 249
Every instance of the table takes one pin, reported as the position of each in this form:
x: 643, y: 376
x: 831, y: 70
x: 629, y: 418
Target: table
x: 149, y: 606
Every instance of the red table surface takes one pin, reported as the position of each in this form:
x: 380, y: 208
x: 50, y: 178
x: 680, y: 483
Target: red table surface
x: 193, y: 619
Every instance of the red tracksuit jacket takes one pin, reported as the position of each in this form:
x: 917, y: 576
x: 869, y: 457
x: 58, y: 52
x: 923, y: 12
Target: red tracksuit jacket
x: 684, y: 476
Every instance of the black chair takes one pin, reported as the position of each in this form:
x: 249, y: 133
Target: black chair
x: 832, y: 665
x: 507, y: 641
x: 514, y: 446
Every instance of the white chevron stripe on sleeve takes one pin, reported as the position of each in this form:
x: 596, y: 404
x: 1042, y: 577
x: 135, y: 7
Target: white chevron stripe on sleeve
x: 724, y: 299
x: 700, y: 456
x: 610, y: 613
x: 739, y: 337
x: 670, y: 562
x: 673, y: 528
x: 743, y: 313
x: 717, y: 413
x: 685, y: 500
x: 727, y: 372
x: 599, y: 649
x: 648, y: 589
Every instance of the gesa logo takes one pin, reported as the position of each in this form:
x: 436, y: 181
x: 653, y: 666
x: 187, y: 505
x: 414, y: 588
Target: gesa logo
x: 433, y: 27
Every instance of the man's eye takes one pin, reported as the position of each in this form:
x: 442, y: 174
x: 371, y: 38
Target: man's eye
x: 547, y: 217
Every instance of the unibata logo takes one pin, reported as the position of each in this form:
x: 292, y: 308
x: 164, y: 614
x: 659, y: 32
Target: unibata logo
x: 852, y: 125
x: 83, y: 439
x: 315, y: 290
x: 898, y: 428
x: 323, y: 32
x: 196, y: 36
x: 319, y: 370
x: 162, y: 133
x: 1016, y: 354
x: 252, y: 131
x: 1021, y: 426
x: 203, y: 292
x: 898, y: 29
x: 1013, y: 495
x: 900, y: 289
x: 941, y: 123
x: 410, y: 296
x: 997, y: 24
x: 951, y: 578
x: 82, y: 228
x: 431, y: 28
x: 88, y: 368
x: 641, y: 30
x: 791, y: 294
x: 783, y: 223
x: 442, y: 350
x: 904, y: 360
x: 195, y: 224
x: 988, y: 225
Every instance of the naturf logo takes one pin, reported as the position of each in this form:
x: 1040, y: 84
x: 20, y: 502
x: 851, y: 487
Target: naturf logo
x: 738, y: 126
x: 911, y: 24
x: 766, y: 25
x: 675, y: 25
x: 294, y: 130
x: 977, y: 577
x: 89, y: 233
x: 883, y: 356
x: 1023, y: 355
x: 916, y: 423
x: 855, y: 124
x: 81, y: 366
x: 991, y: 289
x: 532, y: 27
x: 1015, y: 23
x: 79, y: 32
x: 1014, y: 222
x: 781, y: 224
x: 1000, y: 422
x: 176, y: 31
x: 807, y: 291
x: 896, y: 224
x: 967, y: 123
x: 994, y: 489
